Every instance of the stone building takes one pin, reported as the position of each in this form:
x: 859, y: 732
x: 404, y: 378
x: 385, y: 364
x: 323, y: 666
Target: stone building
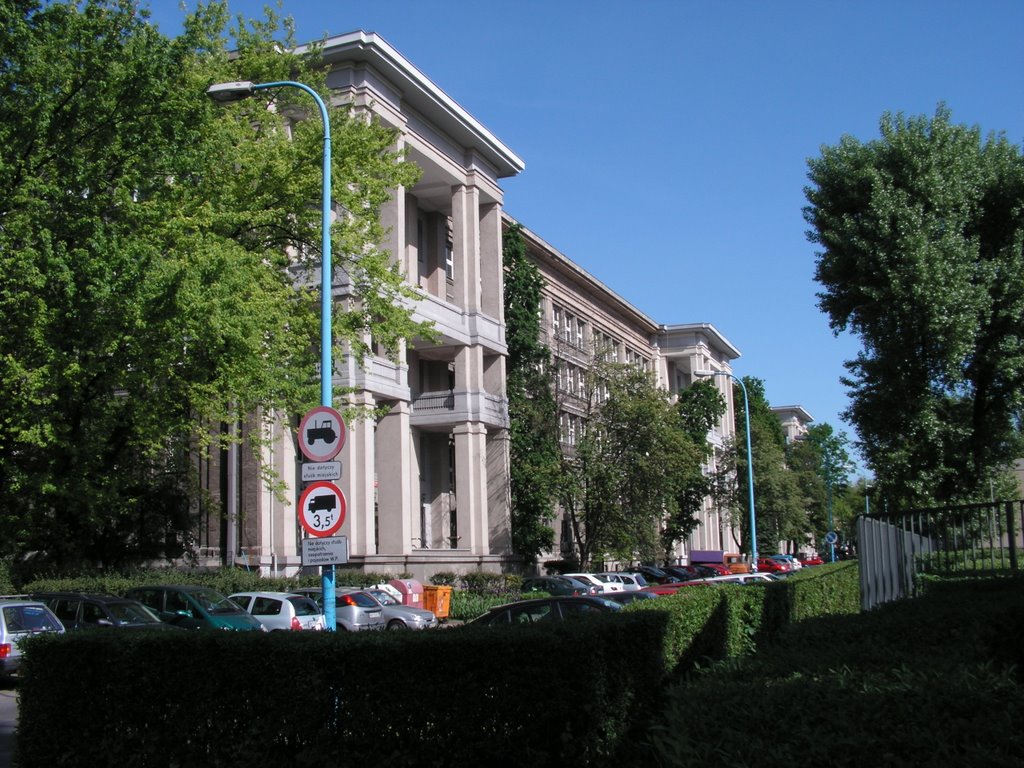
x: 427, y: 484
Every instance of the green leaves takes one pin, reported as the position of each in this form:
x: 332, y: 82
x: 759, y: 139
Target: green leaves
x: 922, y: 235
x: 149, y: 248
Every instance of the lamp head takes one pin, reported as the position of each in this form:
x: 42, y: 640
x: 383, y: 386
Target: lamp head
x: 226, y: 93
x: 703, y: 373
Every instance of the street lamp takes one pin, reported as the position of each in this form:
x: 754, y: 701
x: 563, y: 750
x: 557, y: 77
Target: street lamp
x: 750, y: 461
x: 226, y: 93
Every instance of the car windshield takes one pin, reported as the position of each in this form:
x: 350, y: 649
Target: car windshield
x: 304, y: 606
x: 362, y: 599
x: 383, y: 597
x: 28, y: 618
x: 214, y: 602
x: 132, y: 613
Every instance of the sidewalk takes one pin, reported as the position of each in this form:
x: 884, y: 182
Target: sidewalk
x: 8, y: 723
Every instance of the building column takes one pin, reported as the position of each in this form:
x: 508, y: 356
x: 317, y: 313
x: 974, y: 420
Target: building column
x: 358, y: 466
x: 466, y: 246
x: 499, y: 501
x: 396, y: 482
x: 471, y: 487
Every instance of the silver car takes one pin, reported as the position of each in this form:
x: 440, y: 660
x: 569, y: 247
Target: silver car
x: 400, y: 616
x: 354, y: 611
x: 21, y: 618
x: 278, y: 611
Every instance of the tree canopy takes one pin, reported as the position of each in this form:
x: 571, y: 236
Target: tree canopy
x: 922, y: 257
x: 152, y: 251
x: 626, y: 472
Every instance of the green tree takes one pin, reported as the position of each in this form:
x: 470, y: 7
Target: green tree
x: 921, y: 235
x: 145, y: 276
x: 821, y: 466
x: 700, y: 407
x: 625, y: 473
x: 778, y: 507
x: 535, y: 456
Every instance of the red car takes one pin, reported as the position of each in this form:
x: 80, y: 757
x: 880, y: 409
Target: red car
x: 770, y: 565
x: 718, y: 568
x: 671, y: 588
x: 811, y: 560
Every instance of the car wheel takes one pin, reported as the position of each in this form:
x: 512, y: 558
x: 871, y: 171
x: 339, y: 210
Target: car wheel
x: 396, y: 624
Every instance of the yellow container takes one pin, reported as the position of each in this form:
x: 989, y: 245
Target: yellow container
x: 438, y: 600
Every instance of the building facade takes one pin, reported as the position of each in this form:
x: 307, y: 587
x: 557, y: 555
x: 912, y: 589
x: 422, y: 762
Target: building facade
x: 794, y: 419
x: 426, y: 484
x: 583, y: 319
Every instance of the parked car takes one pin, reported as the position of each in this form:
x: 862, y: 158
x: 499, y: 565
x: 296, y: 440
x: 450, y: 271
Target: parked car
x: 713, y: 569
x: 630, y: 596
x: 354, y: 610
x: 397, y: 615
x: 631, y: 582
x: 655, y: 575
x: 544, y: 609
x: 20, y: 618
x: 670, y: 588
x: 559, y: 585
x: 194, y: 607
x: 811, y: 559
x: 78, y: 610
x: 770, y: 565
x: 593, y: 580
x: 742, y: 578
x: 794, y: 564
x: 685, y: 572
x: 278, y: 611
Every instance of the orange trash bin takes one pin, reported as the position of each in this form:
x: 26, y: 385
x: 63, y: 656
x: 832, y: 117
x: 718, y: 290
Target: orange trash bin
x: 437, y: 599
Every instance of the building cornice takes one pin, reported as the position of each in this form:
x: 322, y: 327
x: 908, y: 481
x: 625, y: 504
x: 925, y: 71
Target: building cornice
x: 420, y: 93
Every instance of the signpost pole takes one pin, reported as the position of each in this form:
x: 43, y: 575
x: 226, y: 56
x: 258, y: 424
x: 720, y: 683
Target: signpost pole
x: 229, y: 92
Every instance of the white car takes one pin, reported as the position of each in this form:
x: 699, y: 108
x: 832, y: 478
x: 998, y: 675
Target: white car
x: 631, y: 582
x: 596, y: 580
x: 21, y: 618
x: 282, y: 610
x: 742, y: 578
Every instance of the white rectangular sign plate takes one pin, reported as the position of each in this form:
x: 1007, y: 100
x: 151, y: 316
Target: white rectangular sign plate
x: 321, y: 470
x: 329, y: 550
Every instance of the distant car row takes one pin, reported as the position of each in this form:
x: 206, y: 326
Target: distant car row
x: 178, y: 606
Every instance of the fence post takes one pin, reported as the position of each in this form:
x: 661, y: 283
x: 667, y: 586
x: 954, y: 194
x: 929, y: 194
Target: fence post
x: 1011, y: 530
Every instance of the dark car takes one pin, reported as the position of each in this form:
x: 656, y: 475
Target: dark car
x: 686, y: 572
x: 545, y: 609
x: 78, y: 610
x: 655, y: 575
x: 194, y: 607
x: 558, y: 585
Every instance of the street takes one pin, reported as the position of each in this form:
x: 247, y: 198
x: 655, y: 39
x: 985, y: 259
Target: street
x: 8, y: 721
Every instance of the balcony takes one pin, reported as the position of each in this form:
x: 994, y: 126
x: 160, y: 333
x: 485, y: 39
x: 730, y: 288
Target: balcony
x: 448, y: 407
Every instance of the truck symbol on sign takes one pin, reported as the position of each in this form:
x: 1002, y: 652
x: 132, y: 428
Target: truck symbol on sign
x: 323, y: 430
x: 325, y: 502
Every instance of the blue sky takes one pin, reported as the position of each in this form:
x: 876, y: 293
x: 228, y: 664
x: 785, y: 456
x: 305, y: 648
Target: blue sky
x: 666, y: 141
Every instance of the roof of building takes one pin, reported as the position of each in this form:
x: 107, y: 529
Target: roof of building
x: 421, y: 93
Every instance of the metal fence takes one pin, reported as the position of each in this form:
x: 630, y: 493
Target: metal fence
x: 895, y: 549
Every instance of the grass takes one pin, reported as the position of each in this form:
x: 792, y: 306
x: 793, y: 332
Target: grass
x: 922, y: 682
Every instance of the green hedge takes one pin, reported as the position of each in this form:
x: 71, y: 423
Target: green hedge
x: 454, y: 697
x: 934, y: 680
x: 541, y: 695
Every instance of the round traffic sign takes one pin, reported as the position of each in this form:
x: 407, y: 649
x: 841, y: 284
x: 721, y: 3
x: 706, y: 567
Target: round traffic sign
x: 322, y: 508
x: 321, y: 433
x: 831, y: 537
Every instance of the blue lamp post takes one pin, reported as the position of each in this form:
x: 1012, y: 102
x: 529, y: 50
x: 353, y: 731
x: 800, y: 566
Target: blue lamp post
x: 225, y: 93
x: 750, y: 461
